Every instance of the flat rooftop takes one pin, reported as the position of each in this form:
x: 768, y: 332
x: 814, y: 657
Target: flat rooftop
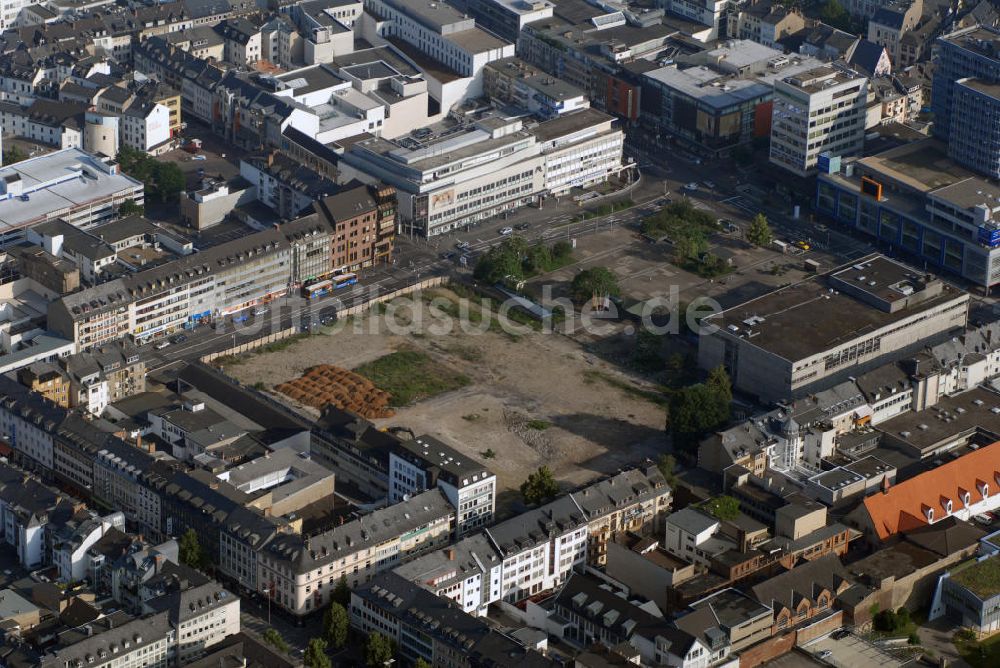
x: 981, y: 86
x: 710, y: 87
x: 476, y: 40
x: 982, y: 578
x: 922, y: 165
x: 951, y: 418
x: 810, y: 317
x: 969, y: 193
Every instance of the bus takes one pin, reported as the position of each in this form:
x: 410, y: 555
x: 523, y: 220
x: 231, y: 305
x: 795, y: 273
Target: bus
x: 343, y: 280
x: 317, y: 290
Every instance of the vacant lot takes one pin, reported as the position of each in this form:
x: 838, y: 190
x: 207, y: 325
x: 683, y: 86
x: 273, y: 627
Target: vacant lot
x: 527, y: 399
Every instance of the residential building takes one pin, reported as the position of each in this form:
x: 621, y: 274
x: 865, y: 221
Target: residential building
x: 82, y: 189
x: 634, y: 500
x: 46, y: 379
x: 363, y: 223
x: 432, y: 628
x: 728, y: 620
x: 30, y: 514
x: 242, y: 41
x: 711, y: 13
x: 875, y: 311
x: 291, y: 479
x: 890, y: 23
x: 425, y: 462
x: 540, y: 548
x: 690, y: 536
x: 941, y: 215
x: 805, y: 594
x: 72, y: 543
x: 299, y: 573
x: 819, y: 111
x: 58, y: 124
x: 146, y: 126
x: 468, y: 572
x: 148, y: 640
x: 765, y: 22
x: 284, y: 185
x: 596, y: 613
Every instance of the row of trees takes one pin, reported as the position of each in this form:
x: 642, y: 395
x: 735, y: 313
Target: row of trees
x: 514, y: 260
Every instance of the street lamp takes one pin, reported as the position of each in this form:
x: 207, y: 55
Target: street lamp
x: 267, y: 592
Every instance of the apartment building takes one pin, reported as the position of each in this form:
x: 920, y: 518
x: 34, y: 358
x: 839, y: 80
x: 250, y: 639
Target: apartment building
x: 819, y: 111
x: 47, y: 380
x: 219, y: 281
x: 425, y: 462
x: 540, y: 548
x: 299, y: 573
x: 149, y: 641
x: 845, y: 322
x: 363, y: 223
x: 711, y: 13
x: 513, y: 81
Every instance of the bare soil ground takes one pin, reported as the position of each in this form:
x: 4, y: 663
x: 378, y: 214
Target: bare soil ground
x: 534, y: 399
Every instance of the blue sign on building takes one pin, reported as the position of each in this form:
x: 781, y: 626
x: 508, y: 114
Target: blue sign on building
x: 989, y: 236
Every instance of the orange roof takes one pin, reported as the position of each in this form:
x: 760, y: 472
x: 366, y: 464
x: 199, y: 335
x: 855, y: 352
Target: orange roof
x: 904, y: 507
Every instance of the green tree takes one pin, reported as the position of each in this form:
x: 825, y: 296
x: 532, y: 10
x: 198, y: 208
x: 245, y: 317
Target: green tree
x: 189, y: 549
x: 693, y: 412
x: 274, y: 639
x: 759, y: 232
x: 834, y: 14
x: 378, y: 650
x: 315, y: 656
x: 668, y: 467
x: 562, y: 250
x: 130, y: 208
x: 335, y: 625
x: 538, y: 258
x: 341, y: 593
x: 502, y: 261
x: 169, y: 181
x: 596, y: 281
x: 718, y: 381
x: 724, y: 507
x: 12, y: 155
x: 540, y: 486
x: 421, y: 664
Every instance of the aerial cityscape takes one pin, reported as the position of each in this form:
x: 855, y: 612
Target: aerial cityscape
x: 499, y: 333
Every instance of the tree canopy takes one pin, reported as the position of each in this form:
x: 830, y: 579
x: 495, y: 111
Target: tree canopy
x: 724, y: 507
x: 594, y: 282
x: 335, y: 625
x: 275, y: 640
x: 514, y: 259
x: 540, y: 486
x: 378, y: 650
x: 189, y: 549
x: 163, y: 180
x: 315, y: 656
x: 759, y: 232
x: 698, y: 409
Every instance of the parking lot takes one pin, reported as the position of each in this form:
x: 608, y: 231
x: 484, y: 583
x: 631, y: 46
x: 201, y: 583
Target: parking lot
x: 851, y: 652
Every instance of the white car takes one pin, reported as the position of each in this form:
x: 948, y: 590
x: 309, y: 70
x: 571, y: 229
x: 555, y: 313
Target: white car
x: 507, y: 231
x: 691, y: 186
x: 161, y: 345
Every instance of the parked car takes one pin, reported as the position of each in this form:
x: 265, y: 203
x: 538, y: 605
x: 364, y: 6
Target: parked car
x: 825, y: 654
x: 261, y: 310
x: 448, y: 255
x: 462, y: 245
x: 161, y: 345
x: 180, y: 338
x: 507, y: 231
x: 691, y: 186
x: 804, y: 245
x: 198, y: 157
x: 727, y: 225
x: 521, y: 227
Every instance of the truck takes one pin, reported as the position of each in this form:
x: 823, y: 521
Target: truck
x: 781, y: 245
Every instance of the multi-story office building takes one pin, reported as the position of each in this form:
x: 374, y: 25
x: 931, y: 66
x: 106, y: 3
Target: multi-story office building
x: 425, y: 462
x: 974, y: 127
x: 148, y: 641
x: 362, y: 220
x: 967, y: 53
x: 513, y: 81
x: 811, y: 335
x: 822, y: 110
x: 82, y: 189
x: 968, y: 595
x: 493, y: 166
x: 916, y: 200
x: 506, y: 18
x: 711, y: 13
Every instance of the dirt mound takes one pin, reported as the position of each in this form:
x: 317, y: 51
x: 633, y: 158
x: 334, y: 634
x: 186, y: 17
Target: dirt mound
x: 325, y: 384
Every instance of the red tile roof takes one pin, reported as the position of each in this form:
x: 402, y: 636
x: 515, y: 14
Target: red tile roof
x: 904, y: 507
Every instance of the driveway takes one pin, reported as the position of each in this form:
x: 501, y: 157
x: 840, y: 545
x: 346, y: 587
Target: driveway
x: 852, y: 652
x: 936, y: 636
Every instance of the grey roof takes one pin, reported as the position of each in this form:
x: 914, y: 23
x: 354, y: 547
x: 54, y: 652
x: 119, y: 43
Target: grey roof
x: 804, y: 581
x: 76, y: 240
x: 865, y: 56
x: 138, y: 633
x: 537, y: 526
x: 691, y: 520
x: 442, y: 460
x: 12, y: 604
x: 308, y: 553
x: 622, y: 489
x: 454, y: 564
x: 731, y: 608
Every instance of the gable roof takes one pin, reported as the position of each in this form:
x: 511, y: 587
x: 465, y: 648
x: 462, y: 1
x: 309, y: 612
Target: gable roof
x: 903, y: 507
x: 866, y: 56
x: 802, y: 582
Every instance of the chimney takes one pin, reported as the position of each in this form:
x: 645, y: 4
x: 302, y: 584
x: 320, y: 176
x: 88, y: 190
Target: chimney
x: 451, y: 554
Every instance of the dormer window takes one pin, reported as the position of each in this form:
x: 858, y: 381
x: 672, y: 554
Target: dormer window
x: 929, y: 513
x: 984, y: 489
x: 946, y: 504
